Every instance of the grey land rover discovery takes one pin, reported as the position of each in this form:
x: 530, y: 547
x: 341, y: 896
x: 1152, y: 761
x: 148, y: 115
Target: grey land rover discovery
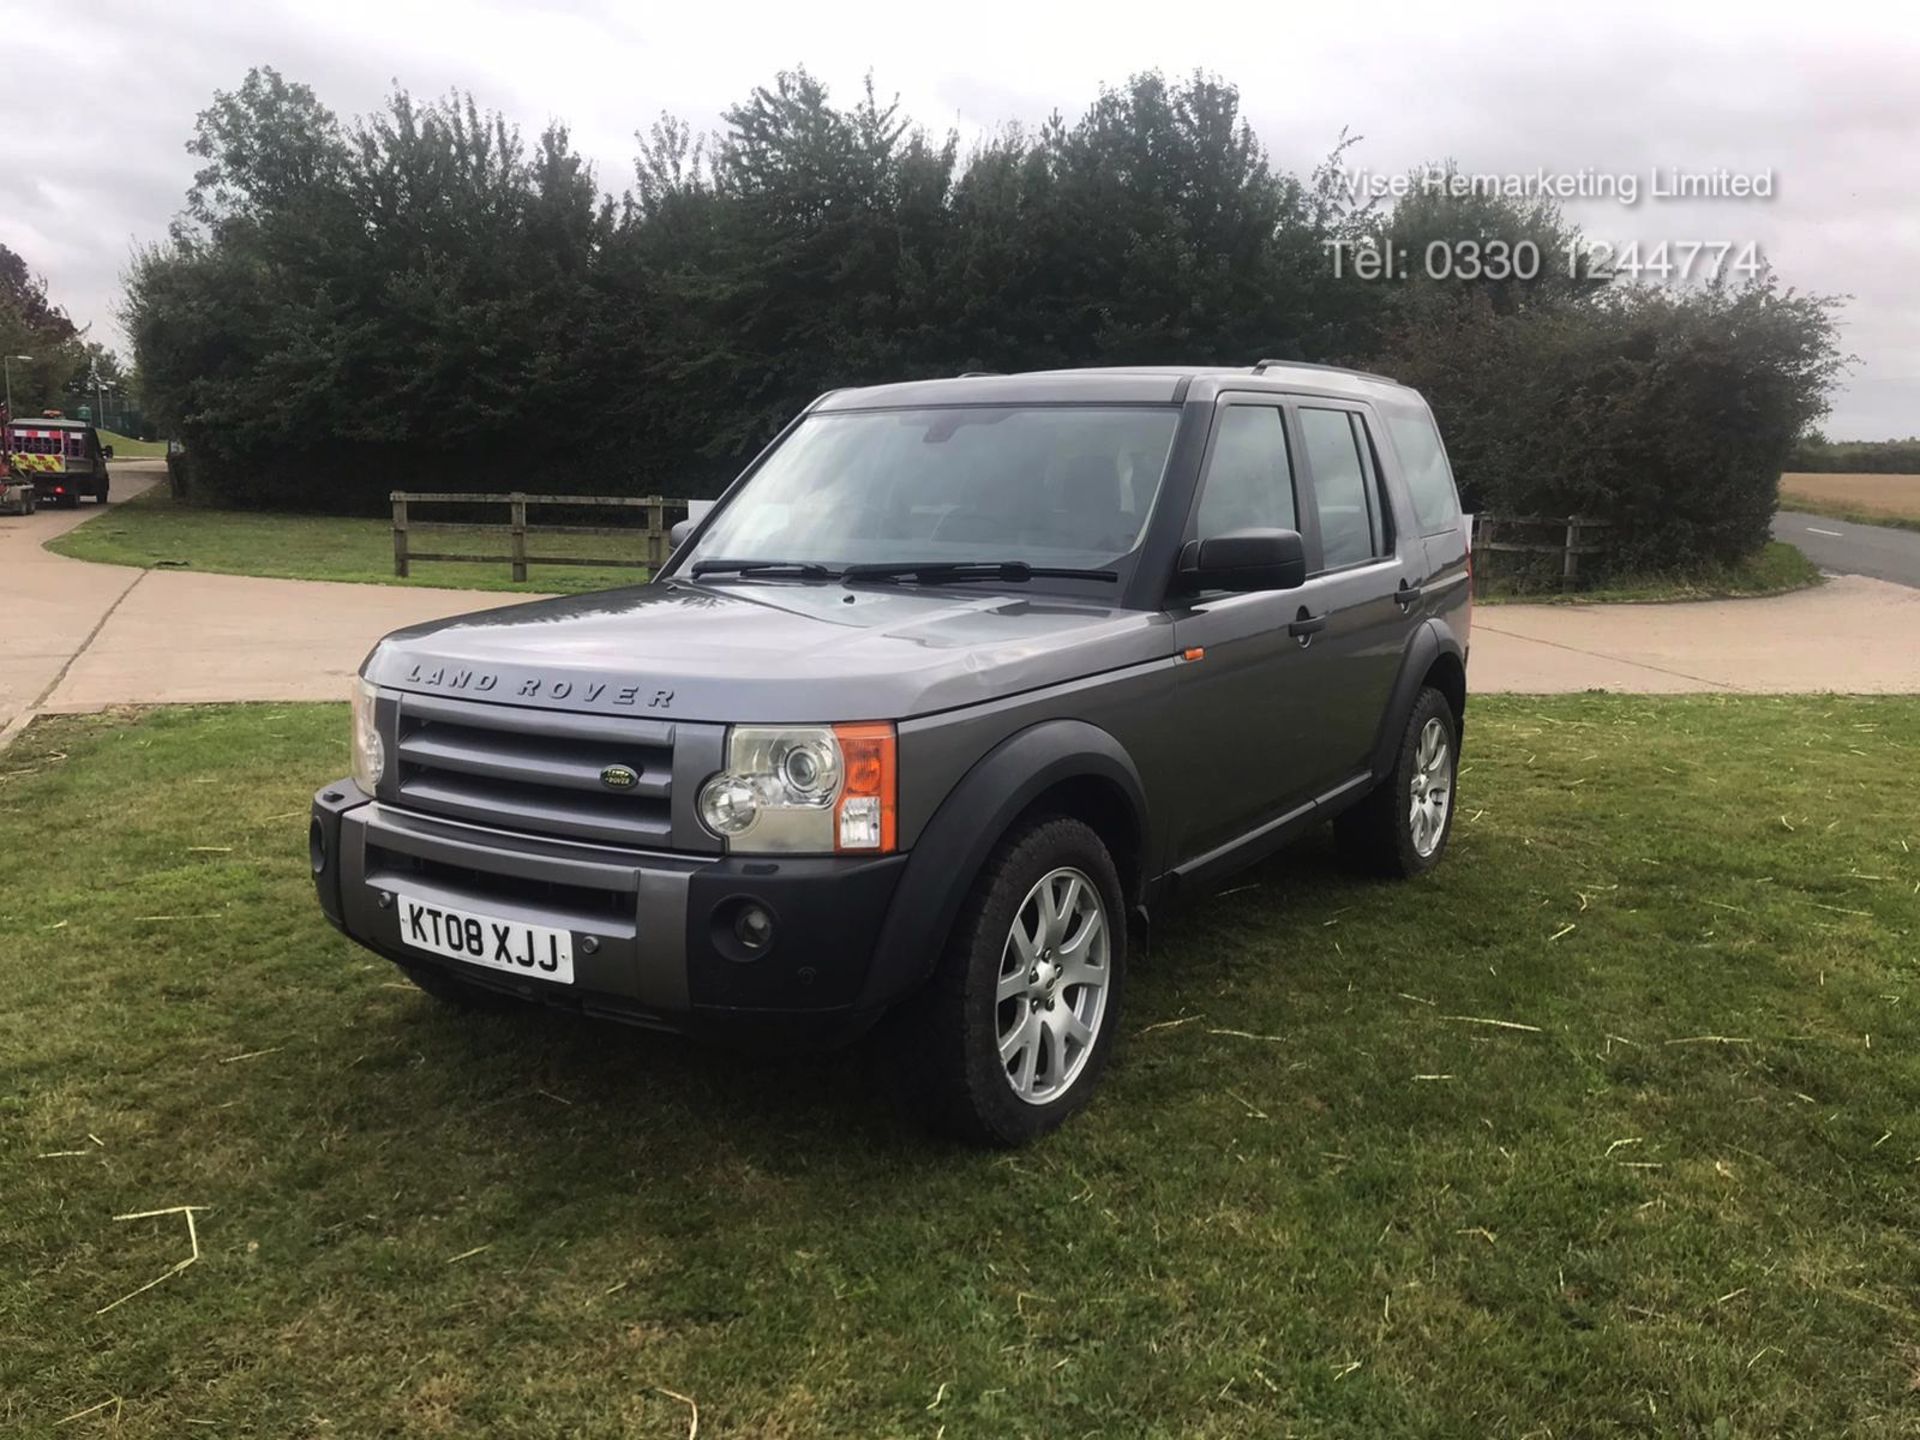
x: 949, y: 689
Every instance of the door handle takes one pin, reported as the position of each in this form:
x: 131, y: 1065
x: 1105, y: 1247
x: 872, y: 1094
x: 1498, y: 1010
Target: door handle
x: 1406, y: 594
x: 1305, y: 626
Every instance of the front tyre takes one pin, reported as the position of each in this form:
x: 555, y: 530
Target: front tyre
x: 1011, y: 1035
x: 1401, y: 829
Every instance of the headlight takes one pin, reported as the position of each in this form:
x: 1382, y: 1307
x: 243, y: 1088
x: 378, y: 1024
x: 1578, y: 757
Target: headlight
x: 369, y: 753
x: 804, y: 789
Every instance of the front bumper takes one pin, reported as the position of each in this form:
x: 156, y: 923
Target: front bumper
x: 664, y: 952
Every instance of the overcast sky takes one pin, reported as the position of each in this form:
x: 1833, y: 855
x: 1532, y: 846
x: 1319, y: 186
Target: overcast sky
x: 1825, y: 99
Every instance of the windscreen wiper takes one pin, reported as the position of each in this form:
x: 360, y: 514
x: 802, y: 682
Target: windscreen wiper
x: 941, y: 572
x: 772, y: 569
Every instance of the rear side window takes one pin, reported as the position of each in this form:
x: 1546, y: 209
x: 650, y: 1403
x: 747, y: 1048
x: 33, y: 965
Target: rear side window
x: 1424, y: 463
x: 1349, y: 520
x: 1250, y: 479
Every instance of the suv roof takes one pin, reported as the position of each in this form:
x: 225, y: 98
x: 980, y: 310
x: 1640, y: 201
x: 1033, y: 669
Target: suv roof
x: 1120, y: 384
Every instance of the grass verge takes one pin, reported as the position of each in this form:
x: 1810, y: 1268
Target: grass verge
x: 1607, y: 1127
x: 125, y: 447
x: 153, y: 529
x: 1774, y: 570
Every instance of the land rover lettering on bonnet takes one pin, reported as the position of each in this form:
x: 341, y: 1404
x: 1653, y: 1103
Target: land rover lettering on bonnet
x: 947, y: 693
x: 610, y: 694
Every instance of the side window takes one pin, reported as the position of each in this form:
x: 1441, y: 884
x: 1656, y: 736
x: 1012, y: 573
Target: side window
x: 1349, y: 511
x: 1250, y: 479
x: 1424, y: 463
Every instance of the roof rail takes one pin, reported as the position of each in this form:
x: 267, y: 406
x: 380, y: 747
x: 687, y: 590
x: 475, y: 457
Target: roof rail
x: 1260, y: 367
x: 980, y: 374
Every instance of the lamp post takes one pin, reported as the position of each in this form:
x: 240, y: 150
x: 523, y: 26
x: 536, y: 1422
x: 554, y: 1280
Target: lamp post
x: 99, y: 405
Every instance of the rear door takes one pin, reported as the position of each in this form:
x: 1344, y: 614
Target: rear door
x: 1435, y: 507
x: 40, y: 451
x: 1367, y: 572
x: 1242, y: 708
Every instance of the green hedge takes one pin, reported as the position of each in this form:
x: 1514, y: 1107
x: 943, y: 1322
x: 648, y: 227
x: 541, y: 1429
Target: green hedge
x: 424, y: 301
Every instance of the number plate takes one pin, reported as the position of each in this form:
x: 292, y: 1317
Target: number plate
x: 512, y: 945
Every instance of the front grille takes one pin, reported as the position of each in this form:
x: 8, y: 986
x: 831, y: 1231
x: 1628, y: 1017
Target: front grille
x: 536, y: 771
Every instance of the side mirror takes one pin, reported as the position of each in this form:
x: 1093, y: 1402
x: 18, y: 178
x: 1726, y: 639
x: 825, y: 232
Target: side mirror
x: 1254, y: 559
x: 106, y: 452
x: 696, y: 512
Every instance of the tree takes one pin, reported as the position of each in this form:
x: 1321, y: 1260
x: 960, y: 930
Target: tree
x: 270, y: 147
x: 23, y: 294
x: 343, y: 308
x: 32, y: 325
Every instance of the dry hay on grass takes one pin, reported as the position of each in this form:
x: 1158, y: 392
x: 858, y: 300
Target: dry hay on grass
x: 1882, y: 494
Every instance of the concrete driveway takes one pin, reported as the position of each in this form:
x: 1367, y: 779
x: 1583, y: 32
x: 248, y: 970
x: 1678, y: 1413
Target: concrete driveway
x: 1851, y: 634
x: 79, y: 636
x: 1859, y: 632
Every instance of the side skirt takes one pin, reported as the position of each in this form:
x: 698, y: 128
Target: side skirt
x: 1269, y: 836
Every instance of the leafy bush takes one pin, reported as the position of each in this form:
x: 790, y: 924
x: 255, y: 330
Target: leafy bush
x: 1667, y: 413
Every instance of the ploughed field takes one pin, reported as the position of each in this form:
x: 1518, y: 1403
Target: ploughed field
x: 1856, y: 497
x: 1607, y: 1128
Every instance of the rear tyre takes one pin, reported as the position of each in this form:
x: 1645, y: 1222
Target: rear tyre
x: 100, y: 495
x: 450, y: 990
x: 1012, y: 1034
x: 1401, y: 829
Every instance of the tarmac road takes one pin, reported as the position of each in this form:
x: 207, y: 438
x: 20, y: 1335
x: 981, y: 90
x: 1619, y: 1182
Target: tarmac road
x: 1841, y: 547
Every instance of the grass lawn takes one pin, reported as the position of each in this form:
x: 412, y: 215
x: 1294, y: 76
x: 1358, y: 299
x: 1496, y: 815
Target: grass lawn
x: 125, y: 447
x: 1777, y: 568
x: 1610, y: 1127
x: 1864, y: 499
x: 153, y: 529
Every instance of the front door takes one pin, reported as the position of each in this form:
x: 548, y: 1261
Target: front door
x: 1244, y: 702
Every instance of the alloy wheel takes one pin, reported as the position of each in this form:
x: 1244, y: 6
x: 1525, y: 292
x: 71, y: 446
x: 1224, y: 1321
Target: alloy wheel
x: 1051, y: 994
x: 1431, y: 786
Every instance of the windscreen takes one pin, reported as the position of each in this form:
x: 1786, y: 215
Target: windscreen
x: 1045, y: 484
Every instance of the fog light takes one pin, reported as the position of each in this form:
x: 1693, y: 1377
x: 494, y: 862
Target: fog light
x: 860, y: 822
x: 753, y: 928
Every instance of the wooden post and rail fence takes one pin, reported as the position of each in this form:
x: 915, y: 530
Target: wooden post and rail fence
x: 653, y: 534
x: 1570, y: 540
x: 1571, y: 535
